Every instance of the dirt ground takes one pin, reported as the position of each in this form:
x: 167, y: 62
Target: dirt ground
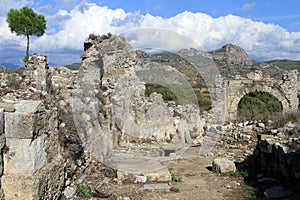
x: 198, y: 182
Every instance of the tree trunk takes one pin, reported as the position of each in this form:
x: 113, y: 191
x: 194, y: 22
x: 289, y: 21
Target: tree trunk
x: 27, y: 48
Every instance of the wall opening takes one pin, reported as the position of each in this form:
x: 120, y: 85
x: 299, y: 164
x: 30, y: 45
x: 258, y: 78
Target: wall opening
x: 258, y: 106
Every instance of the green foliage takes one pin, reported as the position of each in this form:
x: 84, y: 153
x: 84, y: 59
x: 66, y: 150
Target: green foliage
x: 175, y: 178
x: 249, y: 193
x: 102, y: 110
x: 166, y: 93
x: 26, y: 22
x: 270, y: 148
x: 203, y: 101
x: 73, y: 66
x: 239, y: 174
x: 258, y: 105
x: 25, y: 59
x: 174, y: 189
x: 83, y: 190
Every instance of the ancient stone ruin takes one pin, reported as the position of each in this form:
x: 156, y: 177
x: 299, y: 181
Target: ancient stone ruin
x: 59, y: 122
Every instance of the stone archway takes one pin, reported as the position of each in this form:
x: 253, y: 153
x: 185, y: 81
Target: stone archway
x: 285, y: 90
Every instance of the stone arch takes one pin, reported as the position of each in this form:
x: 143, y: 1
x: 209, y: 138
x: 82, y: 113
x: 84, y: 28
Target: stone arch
x: 280, y: 98
x: 284, y: 90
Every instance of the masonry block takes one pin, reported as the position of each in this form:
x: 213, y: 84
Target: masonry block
x: 23, y: 122
x: 24, y: 156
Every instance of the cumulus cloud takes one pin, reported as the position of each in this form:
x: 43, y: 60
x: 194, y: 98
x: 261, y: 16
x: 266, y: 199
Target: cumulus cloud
x: 248, y: 6
x: 67, y: 29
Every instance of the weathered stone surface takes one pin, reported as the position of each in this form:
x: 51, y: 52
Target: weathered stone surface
x: 69, y: 192
x: 276, y: 192
x: 38, y: 74
x: 1, y: 121
x: 24, y: 156
x: 8, y: 107
x: 157, y: 186
x: 285, y: 90
x: 23, y: 123
x: 223, y: 165
x: 45, y: 184
x: 129, y: 167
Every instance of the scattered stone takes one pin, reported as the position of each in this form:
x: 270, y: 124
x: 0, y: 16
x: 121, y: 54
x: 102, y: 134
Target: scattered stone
x: 276, y: 192
x: 223, y: 165
x: 264, y: 136
x: 141, y: 179
x: 261, y: 125
x: 69, y: 192
x: 246, y: 138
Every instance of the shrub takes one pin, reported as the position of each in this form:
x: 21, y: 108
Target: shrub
x: 166, y: 93
x: 258, y: 105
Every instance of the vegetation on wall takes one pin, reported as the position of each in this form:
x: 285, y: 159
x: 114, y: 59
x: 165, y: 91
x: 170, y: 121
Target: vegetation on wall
x: 258, y: 106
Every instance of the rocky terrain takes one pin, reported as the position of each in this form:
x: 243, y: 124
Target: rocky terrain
x: 94, y: 133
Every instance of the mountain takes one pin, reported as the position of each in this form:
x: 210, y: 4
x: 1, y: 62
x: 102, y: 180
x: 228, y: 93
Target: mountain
x: 9, y: 65
x: 231, y: 54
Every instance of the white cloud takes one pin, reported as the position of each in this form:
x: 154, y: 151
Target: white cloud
x: 63, y: 40
x: 248, y: 6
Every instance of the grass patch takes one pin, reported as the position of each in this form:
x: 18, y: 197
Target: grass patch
x: 166, y: 93
x: 175, y: 178
x: 239, y: 174
x: 249, y: 193
x: 83, y: 191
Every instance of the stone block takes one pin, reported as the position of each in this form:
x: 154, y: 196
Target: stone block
x: 223, y: 165
x: 19, y: 187
x: 24, y: 156
x: 47, y: 183
x: 264, y: 136
x: 7, y: 107
x: 1, y: 121
x: 21, y: 123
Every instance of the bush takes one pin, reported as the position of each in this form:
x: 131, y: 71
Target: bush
x: 166, y: 93
x: 258, y: 106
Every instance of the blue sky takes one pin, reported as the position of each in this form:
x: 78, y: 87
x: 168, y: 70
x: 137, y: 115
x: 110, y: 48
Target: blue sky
x: 266, y: 29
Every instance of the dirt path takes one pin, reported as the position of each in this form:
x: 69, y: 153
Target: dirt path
x: 198, y: 182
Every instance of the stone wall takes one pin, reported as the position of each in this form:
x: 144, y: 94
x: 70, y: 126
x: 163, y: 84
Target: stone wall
x: 130, y: 116
x: 278, y: 158
x: 32, y: 165
x: 29, y: 155
x: 285, y: 90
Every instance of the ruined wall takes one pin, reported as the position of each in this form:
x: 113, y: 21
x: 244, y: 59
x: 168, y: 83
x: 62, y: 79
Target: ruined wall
x: 32, y: 163
x: 58, y: 121
x: 285, y: 90
x: 130, y: 115
x: 277, y: 158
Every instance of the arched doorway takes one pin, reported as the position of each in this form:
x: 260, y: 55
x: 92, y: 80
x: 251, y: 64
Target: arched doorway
x: 258, y: 105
